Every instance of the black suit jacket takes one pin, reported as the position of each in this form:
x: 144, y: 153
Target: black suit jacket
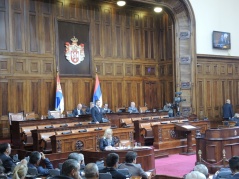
x: 115, y: 174
x: 7, y: 162
x: 75, y: 112
x: 227, y: 110
x: 96, y: 114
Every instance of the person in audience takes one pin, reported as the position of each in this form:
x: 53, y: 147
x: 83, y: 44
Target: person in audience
x: 88, y: 109
x: 7, y: 161
x: 202, y: 168
x: 34, y: 162
x: 107, y: 142
x: 78, y: 110
x: 106, y: 109
x: 91, y: 171
x: 168, y: 107
x: 234, y: 166
x: 79, y: 158
x: 130, y: 163
x: 195, y: 175
x: 20, y: 171
x: 112, y: 161
x: 132, y: 108
x: 70, y: 170
x: 97, y: 112
x: 227, y: 110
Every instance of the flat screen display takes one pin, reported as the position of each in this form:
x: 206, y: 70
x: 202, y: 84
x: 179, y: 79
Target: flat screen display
x: 221, y: 40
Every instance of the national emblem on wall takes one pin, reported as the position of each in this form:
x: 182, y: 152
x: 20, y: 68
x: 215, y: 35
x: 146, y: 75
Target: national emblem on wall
x: 74, y: 53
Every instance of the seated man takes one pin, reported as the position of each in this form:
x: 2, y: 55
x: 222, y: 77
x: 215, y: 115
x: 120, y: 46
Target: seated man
x: 69, y: 170
x: 78, y: 111
x: 112, y: 161
x: 79, y: 158
x: 202, y: 168
x: 7, y: 161
x: 91, y: 171
x: 132, y: 108
x: 169, y: 108
x: 88, y: 109
x: 34, y: 161
x: 106, y: 109
x: 130, y: 163
x: 195, y: 175
x: 234, y: 166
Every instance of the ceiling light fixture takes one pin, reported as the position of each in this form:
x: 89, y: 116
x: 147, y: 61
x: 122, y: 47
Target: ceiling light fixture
x: 158, y: 9
x: 121, y: 3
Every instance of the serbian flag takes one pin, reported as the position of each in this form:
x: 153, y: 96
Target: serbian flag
x: 59, y: 104
x: 97, y: 92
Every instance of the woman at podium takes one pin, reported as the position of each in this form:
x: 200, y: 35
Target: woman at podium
x: 107, y: 142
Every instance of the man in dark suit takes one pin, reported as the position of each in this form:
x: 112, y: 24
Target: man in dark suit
x: 106, y: 109
x: 227, y: 110
x: 97, y: 112
x: 130, y: 164
x: 7, y: 161
x: 112, y: 161
x: 78, y: 111
x: 234, y: 166
x: 88, y: 109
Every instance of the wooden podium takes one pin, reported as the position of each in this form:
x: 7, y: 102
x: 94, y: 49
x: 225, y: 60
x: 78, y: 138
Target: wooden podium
x: 187, y: 129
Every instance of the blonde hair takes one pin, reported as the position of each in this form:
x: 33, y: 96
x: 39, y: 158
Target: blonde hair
x: 108, y: 131
x: 20, y: 171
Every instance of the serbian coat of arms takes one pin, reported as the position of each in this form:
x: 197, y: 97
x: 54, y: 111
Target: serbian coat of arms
x: 74, y: 53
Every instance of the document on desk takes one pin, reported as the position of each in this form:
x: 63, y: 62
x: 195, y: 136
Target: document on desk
x: 188, y: 127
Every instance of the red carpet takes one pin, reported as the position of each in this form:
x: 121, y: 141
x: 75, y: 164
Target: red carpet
x: 175, y: 165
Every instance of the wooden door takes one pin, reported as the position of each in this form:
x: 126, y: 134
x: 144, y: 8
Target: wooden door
x: 150, y: 94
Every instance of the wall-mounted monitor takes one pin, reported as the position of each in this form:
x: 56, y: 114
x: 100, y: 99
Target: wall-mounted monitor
x: 221, y: 40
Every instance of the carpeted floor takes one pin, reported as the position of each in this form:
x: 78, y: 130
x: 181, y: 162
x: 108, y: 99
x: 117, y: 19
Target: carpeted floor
x: 175, y: 165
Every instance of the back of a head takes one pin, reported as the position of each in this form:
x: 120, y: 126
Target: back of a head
x: 20, y: 171
x: 76, y: 156
x: 112, y: 159
x: 234, y: 164
x: 68, y: 166
x: 34, y: 157
x: 91, y: 171
x: 195, y: 175
x: 3, y: 147
x: 201, y: 168
x: 130, y: 156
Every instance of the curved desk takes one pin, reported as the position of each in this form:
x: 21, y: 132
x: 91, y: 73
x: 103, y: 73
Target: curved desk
x: 145, y: 156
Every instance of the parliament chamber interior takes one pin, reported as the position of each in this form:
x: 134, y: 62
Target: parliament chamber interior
x: 165, y: 76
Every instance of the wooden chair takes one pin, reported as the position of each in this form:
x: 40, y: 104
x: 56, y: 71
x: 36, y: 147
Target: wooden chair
x: 45, y: 142
x: 55, y: 114
x: 15, y: 117
x: 143, y: 109
x: 126, y: 122
x: 146, y: 130
x: 30, y: 116
x: 26, y: 136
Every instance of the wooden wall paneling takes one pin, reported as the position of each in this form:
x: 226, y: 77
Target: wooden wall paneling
x: 5, y: 65
x: 46, y: 28
x: 35, y: 98
x: 87, y: 95
x: 231, y: 95
x: 18, y: 24
x: 74, y: 92
x: 129, y: 93
x: 215, y: 100
x: 33, y: 26
x: 235, y: 149
x: 109, y: 69
x: 107, y: 92
x: 4, y: 99
x: 48, y: 91
x: 107, y: 26
x: 97, y: 31
x: 118, y: 97
x: 139, y: 94
x: 60, y: 8
x: 128, y: 37
x: 4, y: 36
